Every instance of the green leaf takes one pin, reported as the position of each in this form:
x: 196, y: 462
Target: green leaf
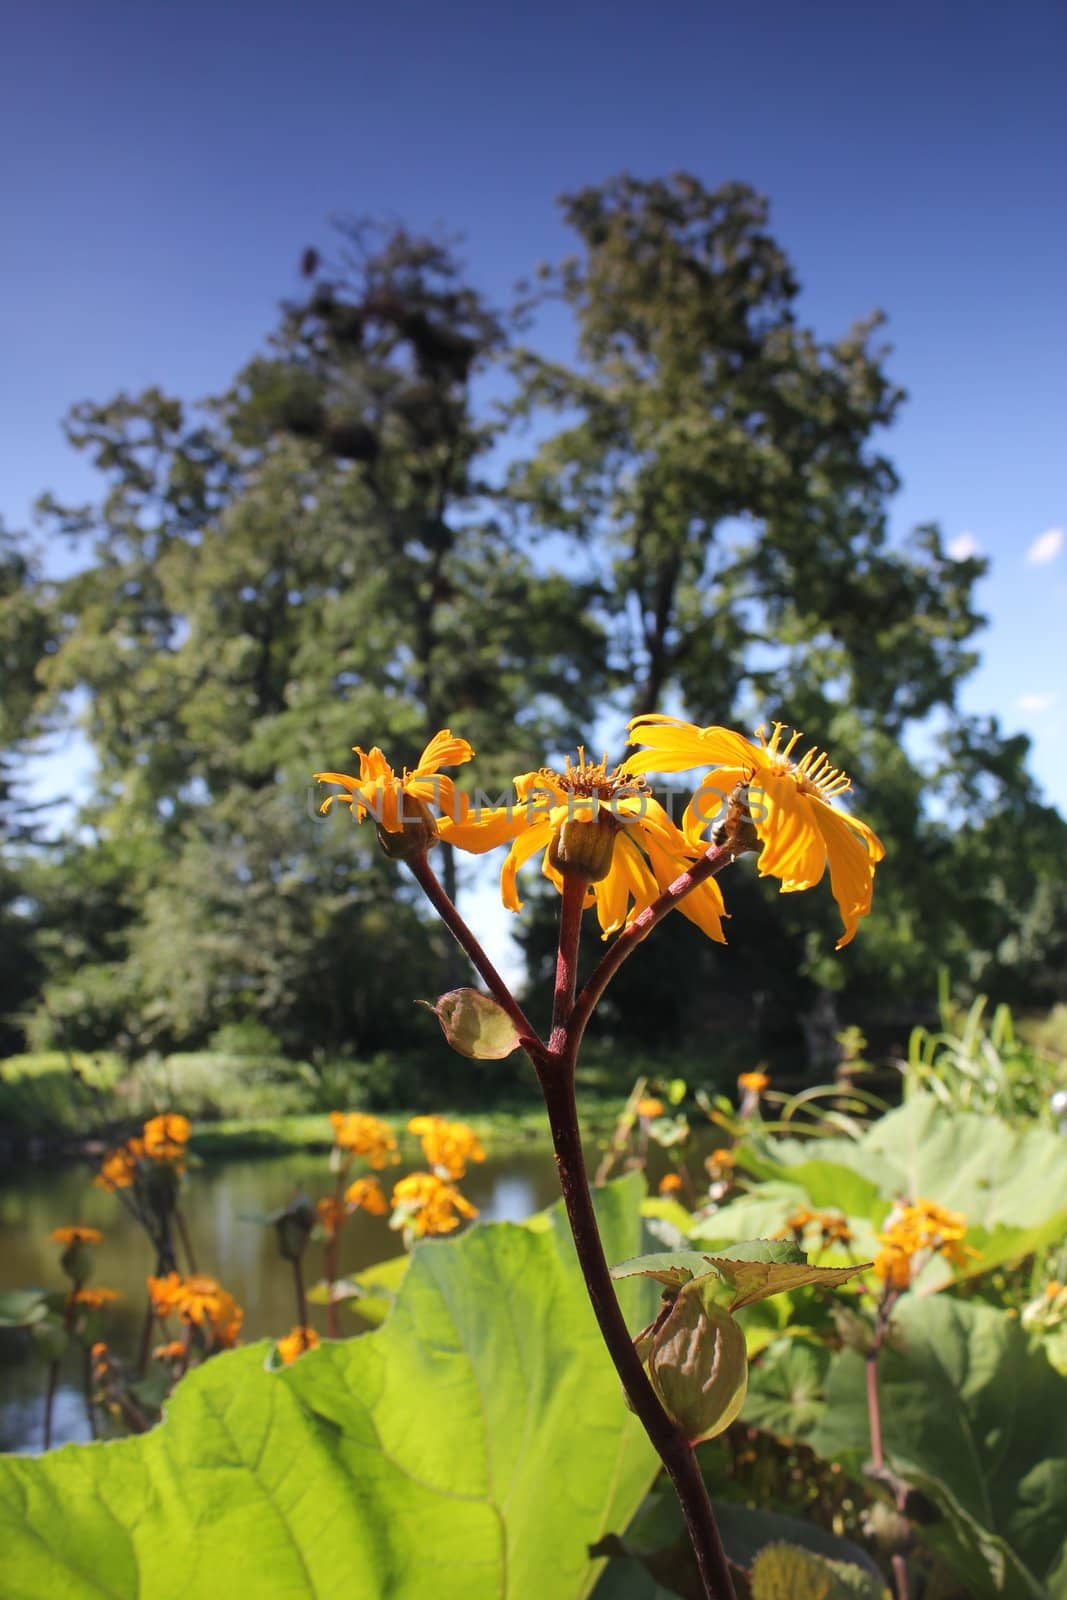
x: 755, y: 1279
x: 787, y: 1572
x: 475, y: 1025
x: 670, y: 1267
x: 975, y: 1417
x: 21, y: 1308
x: 786, y: 1389
x: 677, y: 1267
x: 472, y: 1448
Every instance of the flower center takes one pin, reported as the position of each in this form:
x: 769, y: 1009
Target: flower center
x: 592, y: 780
x: 812, y: 774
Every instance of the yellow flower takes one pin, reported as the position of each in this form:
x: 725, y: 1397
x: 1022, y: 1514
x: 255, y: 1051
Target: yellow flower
x: 119, y: 1167
x: 76, y: 1234
x: 295, y: 1343
x: 173, y: 1350
x: 426, y: 1203
x: 599, y: 824
x: 366, y: 1195
x: 363, y: 1135
x: 893, y: 1266
x: 721, y: 1159
x: 670, y: 1183
x: 165, y: 1293
x: 447, y: 1146
x: 920, y: 1229
x: 649, y: 1107
x: 379, y: 793
x: 166, y: 1136
x: 791, y: 804
x: 199, y: 1300
x: 753, y: 1082
x: 226, y: 1320
x: 93, y: 1299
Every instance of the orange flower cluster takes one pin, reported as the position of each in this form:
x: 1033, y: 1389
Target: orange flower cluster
x: 295, y: 1343
x: 720, y: 1162
x: 163, y: 1138
x: 199, y: 1301
x: 366, y: 1195
x: 361, y: 1135
x: 427, y: 1204
x: 920, y: 1230
x: 670, y: 1183
x: 166, y: 1137
x: 649, y: 1107
x: 833, y: 1228
x: 753, y: 1082
x: 95, y: 1299
x: 76, y: 1234
x: 448, y: 1146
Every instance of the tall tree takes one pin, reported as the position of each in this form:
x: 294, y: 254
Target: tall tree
x: 722, y: 466
x: 308, y: 561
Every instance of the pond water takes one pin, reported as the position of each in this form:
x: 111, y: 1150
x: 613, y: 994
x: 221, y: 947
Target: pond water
x: 218, y: 1199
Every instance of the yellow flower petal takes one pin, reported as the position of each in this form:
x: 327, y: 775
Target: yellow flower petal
x: 526, y: 845
x: 851, y: 867
x: 676, y: 746
x: 443, y: 750
x: 489, y: 829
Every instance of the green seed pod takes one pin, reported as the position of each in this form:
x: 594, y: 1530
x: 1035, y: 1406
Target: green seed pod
x: 584, y: 846
x: 294, y: 1227
x: 77, y: 1261
x: 698, y: 1365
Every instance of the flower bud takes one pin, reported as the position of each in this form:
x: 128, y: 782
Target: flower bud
x: 698, y: 1365
x: 77, y: 1261
x: 418, y: 834
x: 584, y: 846
x: 294, y: 1227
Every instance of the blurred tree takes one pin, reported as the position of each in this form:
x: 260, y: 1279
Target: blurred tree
x: 24, y: 637
x: 310, y: 560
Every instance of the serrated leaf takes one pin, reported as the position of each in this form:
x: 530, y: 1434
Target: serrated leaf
x: 475, y: 1025
x: 470, y: 1450
x: 674, y: 1268
x: 755, y: 1280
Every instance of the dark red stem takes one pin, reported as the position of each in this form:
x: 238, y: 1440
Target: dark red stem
x: 556, y: 1074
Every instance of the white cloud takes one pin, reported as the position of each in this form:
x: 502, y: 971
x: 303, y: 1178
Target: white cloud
x: 1045, y: 548
x: 963, y: 546
x: 1036, y: 702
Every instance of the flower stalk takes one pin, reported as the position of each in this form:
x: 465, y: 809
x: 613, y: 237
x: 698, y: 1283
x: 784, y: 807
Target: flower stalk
x: 555, y: 1065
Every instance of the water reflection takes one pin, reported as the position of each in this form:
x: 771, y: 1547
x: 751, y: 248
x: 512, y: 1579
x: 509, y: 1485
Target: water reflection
x: 219, y: 1199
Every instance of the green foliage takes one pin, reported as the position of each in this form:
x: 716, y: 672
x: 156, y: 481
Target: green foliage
x: 54, y: 1092
x: 975, y: 1419
x: 786, y: 1572
x: 436, y: 1455
x: 1010, y: 1184
x: 975, y: 1063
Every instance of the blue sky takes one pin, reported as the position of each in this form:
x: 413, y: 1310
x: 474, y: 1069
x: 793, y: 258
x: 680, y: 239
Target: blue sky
x: 165, y: 166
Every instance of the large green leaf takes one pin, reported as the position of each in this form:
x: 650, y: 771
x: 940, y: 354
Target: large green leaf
x: 473, y: 1446
x: 975, y: 1417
